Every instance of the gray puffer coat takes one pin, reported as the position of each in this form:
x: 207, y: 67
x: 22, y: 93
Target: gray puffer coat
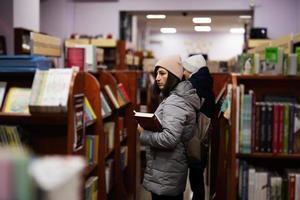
x: 167, y: 164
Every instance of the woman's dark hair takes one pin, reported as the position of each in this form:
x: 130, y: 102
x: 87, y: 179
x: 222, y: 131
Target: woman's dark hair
x: 172, y: 81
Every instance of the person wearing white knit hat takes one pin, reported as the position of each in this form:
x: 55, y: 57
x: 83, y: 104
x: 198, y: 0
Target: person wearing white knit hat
x: 196, y: 72
x: 192, y: 64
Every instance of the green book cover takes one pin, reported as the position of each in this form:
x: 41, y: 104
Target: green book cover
x: 298, y: 59
x: 271, y: 54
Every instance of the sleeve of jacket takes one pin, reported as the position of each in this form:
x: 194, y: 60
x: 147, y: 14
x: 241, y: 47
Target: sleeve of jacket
x: 173, y: 121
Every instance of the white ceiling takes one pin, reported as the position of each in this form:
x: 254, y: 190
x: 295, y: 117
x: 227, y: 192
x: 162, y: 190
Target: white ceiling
x: 219, y: 22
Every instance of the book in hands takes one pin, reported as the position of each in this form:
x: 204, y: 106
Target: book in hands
x: 149, y: 121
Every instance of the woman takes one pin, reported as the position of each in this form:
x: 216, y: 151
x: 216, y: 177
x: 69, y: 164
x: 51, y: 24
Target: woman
x: 167, y: 165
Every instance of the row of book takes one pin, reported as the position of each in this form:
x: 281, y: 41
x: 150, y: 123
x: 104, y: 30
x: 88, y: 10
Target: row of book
x: 276, y: 62
x: 92, y: 145
x: 271, y: 126
x: 262, y: 184
x: 42, y: 96
x: 10, y: 136
x: 109, y: 131
x: 91, y: 188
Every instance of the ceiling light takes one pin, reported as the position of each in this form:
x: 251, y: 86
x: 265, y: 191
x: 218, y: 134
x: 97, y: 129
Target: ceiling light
x: 168, y: 30
x: 245, y: 17
x: 202, y: 28
x: 204, y: 20
x: 155, y: 16
x: 237, y: 30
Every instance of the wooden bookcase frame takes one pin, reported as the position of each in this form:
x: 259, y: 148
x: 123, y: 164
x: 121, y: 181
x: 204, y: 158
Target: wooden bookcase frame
x: 261, y: 84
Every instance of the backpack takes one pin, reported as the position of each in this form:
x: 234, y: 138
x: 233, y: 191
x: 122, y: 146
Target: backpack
x: 197, y: 147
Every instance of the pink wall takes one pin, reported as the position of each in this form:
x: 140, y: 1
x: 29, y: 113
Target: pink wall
x: 6, y: 23
x: 298, y: 17
x: 57, y: 17
x: 280, y: 17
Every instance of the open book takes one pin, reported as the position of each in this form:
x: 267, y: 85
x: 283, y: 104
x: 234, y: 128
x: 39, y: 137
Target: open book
x: 149, y: 121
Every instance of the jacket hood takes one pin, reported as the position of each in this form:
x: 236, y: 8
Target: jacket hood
x: 203, y: 83
x: 185, y: 90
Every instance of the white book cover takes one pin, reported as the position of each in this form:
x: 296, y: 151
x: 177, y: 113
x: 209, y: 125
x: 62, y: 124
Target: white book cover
x: 90, y: 56
x: 2, y: 91
x: 57, y: 88
x: 251, y: 184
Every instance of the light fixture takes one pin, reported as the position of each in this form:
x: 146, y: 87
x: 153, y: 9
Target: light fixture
x: 202, y: 28
x: 237, y: 30
x: 154, y: 16
x: 245, y: 16
x: 203, y: 20
x: 168, y: 30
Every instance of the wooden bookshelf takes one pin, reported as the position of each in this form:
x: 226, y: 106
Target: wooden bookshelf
x: 92, y: 93
x: 261, y: 85
x: 50, y: 134
x: 124, y: 179
x: 30, y: 42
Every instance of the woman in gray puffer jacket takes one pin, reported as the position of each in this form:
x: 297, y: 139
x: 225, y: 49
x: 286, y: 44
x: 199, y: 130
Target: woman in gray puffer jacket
x: 167, y: 165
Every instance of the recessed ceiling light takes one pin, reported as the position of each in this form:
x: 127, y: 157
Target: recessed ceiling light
x: 204, y: 20
x: 237, y: 30
x: 245, y: 17
x: 168, y: 30
x: 202, y: 28
x: 155, y: 16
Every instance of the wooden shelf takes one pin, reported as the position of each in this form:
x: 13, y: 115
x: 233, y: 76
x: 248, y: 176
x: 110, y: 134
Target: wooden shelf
x: 269, y: 156
x: 19, y: 118
x: 266, y: 77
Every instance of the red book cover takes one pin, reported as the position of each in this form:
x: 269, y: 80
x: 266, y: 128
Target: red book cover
x: 291, y: 186
x: 275, y: 136
x: 75, y: 57
x: 123, y: 92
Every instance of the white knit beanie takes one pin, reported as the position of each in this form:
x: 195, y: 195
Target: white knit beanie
x: 194, y: 63
x: 172, y: 64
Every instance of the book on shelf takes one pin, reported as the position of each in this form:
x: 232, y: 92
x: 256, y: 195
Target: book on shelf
x: 44, y: 97
x: 111, y: 97
x: 89, y: 114
x: 105, y: 108
x: 79, y: 125
x: 91, y: 188
x: 109, y: 130
x: 148, y: 121
x: 123, y: 92
x: 76, y: 57
x: 2, y: 91
x: 17, y: 100
x: 90, y: 56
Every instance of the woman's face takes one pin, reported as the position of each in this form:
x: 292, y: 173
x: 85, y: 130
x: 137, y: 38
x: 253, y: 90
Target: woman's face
x: 161, y: 77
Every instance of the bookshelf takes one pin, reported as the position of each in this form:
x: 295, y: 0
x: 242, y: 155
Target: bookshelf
x: 53, y: 133
x: 124, y: 175
x: 114, y: 52
x: 233, y: 153
x: 33, y: 43
x: 92, y: 93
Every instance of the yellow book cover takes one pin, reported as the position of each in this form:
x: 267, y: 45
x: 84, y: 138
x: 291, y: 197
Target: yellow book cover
x: 17, y: 100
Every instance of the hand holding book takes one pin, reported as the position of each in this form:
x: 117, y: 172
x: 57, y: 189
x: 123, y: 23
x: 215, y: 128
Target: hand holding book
x: 148, y: 121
